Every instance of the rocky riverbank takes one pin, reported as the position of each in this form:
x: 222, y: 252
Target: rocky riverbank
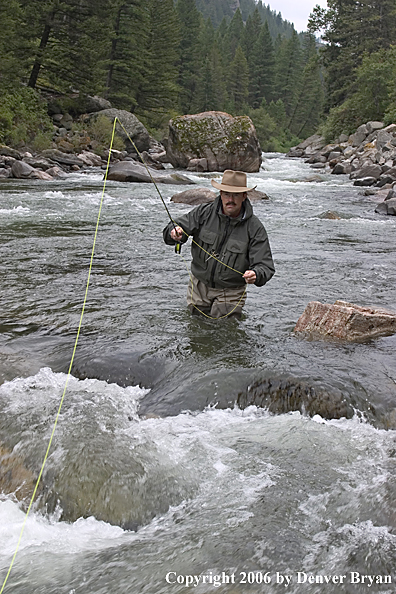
x: 368, y: 156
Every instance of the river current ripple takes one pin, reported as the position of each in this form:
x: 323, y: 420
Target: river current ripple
x: 191, y: 489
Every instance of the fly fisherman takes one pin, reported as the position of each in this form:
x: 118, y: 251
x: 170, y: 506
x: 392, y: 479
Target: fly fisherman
x: 235, y: 251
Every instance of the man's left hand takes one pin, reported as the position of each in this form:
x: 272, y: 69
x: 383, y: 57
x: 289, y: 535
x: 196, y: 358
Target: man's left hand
x: 250, y: 277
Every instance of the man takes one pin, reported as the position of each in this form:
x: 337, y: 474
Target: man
x: 230, y: 249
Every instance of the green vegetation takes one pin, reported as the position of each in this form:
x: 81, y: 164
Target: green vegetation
x: 359, y: 62
x: 163, y: 58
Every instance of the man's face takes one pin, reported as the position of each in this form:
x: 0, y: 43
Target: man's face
x: 232, y: 202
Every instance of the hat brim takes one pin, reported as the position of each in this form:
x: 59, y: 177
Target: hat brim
x: 231, y: 189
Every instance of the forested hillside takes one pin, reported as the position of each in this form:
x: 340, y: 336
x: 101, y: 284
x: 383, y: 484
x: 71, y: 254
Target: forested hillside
x: 359, y: 62
x: 160, y: 58
x: 216, y: 10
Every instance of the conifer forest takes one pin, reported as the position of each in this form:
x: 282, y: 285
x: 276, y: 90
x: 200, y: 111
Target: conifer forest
x: 160, y: 58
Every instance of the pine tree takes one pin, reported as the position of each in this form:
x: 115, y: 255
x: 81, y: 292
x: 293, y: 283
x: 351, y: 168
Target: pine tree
x: 127, y: 58
x: 350, y: 29
x: 189, y: 19
x: 233, y: 36
x: 11, y: 68
x: 288, y: 72
x: 158, y: 91
x: 307, y: 112
x: 238, y: 81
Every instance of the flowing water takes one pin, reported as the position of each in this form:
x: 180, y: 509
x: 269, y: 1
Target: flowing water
x: 149, y: 486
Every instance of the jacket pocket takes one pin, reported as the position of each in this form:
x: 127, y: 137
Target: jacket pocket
x: 207, y: 240
x: 234, y: 256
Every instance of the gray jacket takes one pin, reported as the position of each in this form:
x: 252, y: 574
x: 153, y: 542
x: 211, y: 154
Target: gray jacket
x: 240, y: 242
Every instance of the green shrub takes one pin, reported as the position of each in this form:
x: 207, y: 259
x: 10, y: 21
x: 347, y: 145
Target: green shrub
x: 23, y: 116
x: 100, y: 129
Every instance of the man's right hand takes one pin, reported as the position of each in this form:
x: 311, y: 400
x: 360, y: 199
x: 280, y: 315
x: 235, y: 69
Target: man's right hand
x: 177, y: 233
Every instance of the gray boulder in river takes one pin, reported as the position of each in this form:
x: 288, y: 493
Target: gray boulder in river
x: 216, y: 139
x: 132, y: 171
x: 133, y: 128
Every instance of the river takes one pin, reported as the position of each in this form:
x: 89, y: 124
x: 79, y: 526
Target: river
x: 148, y: 481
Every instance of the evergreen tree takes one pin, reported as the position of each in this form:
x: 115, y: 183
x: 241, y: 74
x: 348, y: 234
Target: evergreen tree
x: 189, y: 19
x: 307, y: 113
x: 262, y: 69
x: 238, y: 81
x: 10, y: 64
x: 233, y: 36
x: 288, y: 72
x: 128, y: 61
x: 350, y: 29
x: 159, y: 90
x: 63, y: 41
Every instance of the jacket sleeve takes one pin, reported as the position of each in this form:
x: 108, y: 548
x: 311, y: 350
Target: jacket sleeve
x: 260, y: 257
x: 190, y: 223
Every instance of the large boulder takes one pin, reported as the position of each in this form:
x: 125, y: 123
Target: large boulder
x: 204, y: 196
x: 346, y: 321
x: 132, y: 171
x: 131, y: 129
x: 22, y: 170
x: 388, y: 207
x: 226, y: 142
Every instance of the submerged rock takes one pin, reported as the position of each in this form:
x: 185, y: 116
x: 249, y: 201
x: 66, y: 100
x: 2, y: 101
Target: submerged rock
x: 282, y: 395
x: 15, y: 478
x: 345, y: 321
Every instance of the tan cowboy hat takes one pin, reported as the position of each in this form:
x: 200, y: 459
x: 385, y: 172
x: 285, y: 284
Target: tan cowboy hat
x: 233, y: 181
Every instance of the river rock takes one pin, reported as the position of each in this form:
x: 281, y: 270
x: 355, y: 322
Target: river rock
x: 204, y: 196
x: 38, y: 163
x: 134, y: 129
x: 226, y: 142
x: 15, y: 478
x: 10, y: 152
x: 370, y: 170
x: 132, y: 171
x: 56, y: 172
x: 365, y: 181
x: 346, y: 321
x: 90, y: 159
x: 342, y: 168
x: 5, y: 173
x: 22, y: 170
x: 373, y: 126
x: 282, y: 395
x: 63, y: 158
x: 387, y: 207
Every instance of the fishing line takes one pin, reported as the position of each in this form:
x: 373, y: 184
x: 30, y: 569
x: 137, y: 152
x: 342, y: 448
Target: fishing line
x: 69, y: 371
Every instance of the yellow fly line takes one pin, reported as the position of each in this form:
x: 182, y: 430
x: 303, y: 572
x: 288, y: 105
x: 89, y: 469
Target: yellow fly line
x: 79, y: 330
x: 69, y: 371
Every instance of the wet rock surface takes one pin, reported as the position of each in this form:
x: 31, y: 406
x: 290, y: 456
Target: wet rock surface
x: 282, y: 395
x: 132, y: 171
x: 345, y: 321
x: 368, y: 157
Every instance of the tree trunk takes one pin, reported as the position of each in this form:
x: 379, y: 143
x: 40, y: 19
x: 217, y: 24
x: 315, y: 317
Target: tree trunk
x: 40, y: 54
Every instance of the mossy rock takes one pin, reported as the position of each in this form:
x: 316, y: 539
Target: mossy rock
x: 226, y: 142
